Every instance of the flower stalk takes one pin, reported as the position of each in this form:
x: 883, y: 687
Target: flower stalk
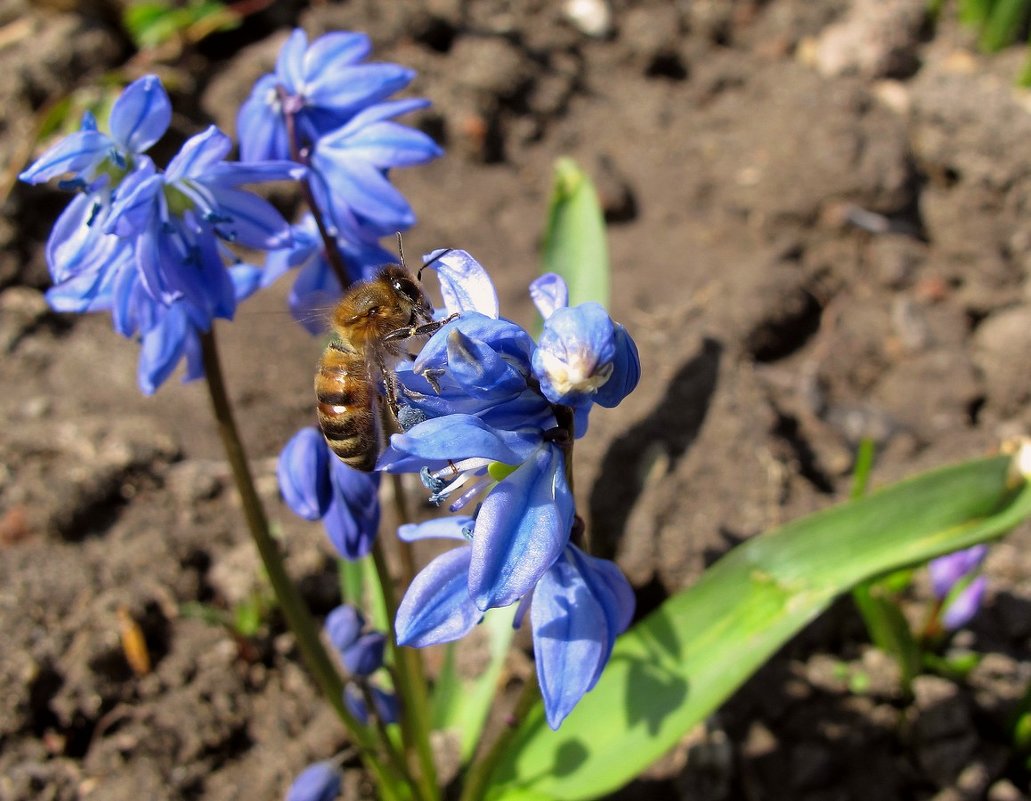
x: 294, y: 609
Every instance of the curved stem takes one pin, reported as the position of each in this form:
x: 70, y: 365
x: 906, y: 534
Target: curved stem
x: 411, y: 684
x: 303, y: 156
x: 298, y: 617
x: 481, y: 769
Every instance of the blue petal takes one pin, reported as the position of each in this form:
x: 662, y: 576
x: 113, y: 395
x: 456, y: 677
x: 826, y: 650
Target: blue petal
x: 344, y: 626
x: 251, y: 221
x: 313, y: 295
x: 141, y: 114
x: 385, y: 111
x: 303, y: 473
x: 387, y: 706
x: 352, y: 518
x: 259, y: 125
x: 503, y: 336
x: 575, y: 353
x: 358, y: 85
x: 198, y: 155
x: 965, y: 605
x: 365, y: 656
x: 290, y: 63
x: 137, y: 203
x: 460, y: 436
x: 521, y: 529
x: 362, y: 188
x: 948, y: 570
x: 234, y: 173
x: 437, y: 607
x: 570, y: 639
x: 479, y: 369
x: 246, y: 280
x: 318, y: 782
x: 161, y: 348
x: 77, y: 243
x: 388, y: 144
x: 464, y: 284
x: 74, y: 154
x: 626, y: 371
x: 452, y: 528
x: 549, y: 292
x: 334, y: 50
x: 612, y: 591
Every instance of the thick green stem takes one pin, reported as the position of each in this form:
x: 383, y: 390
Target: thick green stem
x: 411, y: 686
x: 295, y: 611
x: 481, y: 769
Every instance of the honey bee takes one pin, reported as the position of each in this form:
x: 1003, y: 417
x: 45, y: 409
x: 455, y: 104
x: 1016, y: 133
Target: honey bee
x: 369, y: 327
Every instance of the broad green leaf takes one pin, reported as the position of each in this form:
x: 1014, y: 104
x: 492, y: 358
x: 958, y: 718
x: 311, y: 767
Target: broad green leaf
x: 680, y: 663
x: 463, y: 705
x: 574, y: 236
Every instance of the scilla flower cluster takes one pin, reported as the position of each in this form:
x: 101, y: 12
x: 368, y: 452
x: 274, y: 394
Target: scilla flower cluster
x: 492, y: 417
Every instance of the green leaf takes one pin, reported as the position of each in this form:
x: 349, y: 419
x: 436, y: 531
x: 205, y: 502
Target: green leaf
x: 465, y: 705
x: 351, y: 575
x: 574, y: 236
x: 1004, y: 24
x: 680, y: 663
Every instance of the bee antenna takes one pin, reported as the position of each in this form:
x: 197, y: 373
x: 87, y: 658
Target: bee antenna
x: 439, y: 256
x: 401, y: 250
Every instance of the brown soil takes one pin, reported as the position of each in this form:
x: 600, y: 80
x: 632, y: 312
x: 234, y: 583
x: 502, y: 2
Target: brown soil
x: 819, y: 231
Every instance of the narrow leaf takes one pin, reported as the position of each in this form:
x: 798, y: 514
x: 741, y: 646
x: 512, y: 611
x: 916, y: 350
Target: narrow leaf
x: 574, y: 236
x: 685, y: 659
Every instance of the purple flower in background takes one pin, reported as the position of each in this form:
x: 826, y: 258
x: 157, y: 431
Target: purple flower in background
x: 316, y: 485
x: 577, y: 608
x: 362, y: 653
x: 956, y: 583
x: 318, y: 782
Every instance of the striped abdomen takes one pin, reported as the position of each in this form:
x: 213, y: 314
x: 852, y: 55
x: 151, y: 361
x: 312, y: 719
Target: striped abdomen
x: 346, y: 407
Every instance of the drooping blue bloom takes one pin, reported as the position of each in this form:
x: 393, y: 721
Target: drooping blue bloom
x: 341, y: 129
x: 316, y: 485
x: 322, y: 86
x: 361, y: 653
x: 179, y: 221
x: 139, y: 118
x: 318, y: 782
x: 956, y: 583
x: 578, y: 608
x: 387, y: 705
x: 582, y: 357
x: 317, y: 287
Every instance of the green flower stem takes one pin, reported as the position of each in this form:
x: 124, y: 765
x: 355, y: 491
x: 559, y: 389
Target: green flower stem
x: 296, y: 612
x: 485, y: 762
x: 411, y: 685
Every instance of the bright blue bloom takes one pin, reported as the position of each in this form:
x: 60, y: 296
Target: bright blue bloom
x: 342, y: 131
x: 578, y: 607
x: 582, y: 357
x: 139, y: 118
x: 349, y: 170
x: 180, y: 218
x: 316, y: 287
x: 362, y: 654
x: 318, y: 782
x: 322, y: 85
x: 956, y: 583
x: 316, y: 485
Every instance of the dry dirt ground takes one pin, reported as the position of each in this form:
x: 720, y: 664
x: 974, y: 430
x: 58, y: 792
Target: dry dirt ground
x: 819, y: 231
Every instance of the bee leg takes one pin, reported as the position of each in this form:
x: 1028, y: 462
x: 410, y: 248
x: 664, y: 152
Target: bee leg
x: 418, y: 330
x: 390, y: 385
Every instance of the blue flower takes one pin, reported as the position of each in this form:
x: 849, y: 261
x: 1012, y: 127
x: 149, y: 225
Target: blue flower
x: 318, y: 782
x: 957, y: 585
x: 577, y: 609
x: 388, y: 709
x: 321, y: 86
x: 139, y: 118
x: 362, y: 654
x: 316, y: 485
x: 340, y: 128
x: 316, y: 287
x: 582, y: 357
x: 180, y: 219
